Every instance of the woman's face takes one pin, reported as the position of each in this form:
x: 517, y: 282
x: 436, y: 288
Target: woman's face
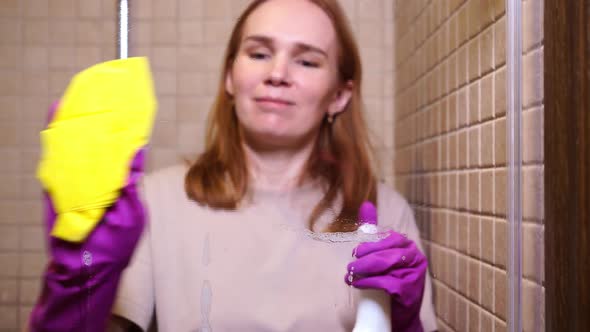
x: 284, y: 78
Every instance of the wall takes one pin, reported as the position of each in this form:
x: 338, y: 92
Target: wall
x: 44, y: 42
x: 450, y: 153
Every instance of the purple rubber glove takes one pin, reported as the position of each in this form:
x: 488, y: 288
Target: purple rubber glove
x: 81, y: 279
x: 395, y: 265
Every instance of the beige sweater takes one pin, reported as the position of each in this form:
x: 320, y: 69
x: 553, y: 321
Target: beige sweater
x: 255, y: 269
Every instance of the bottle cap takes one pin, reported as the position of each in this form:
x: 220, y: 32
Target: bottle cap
x: 367, y: 213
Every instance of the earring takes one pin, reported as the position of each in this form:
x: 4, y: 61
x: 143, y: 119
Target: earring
x: 330, y: 118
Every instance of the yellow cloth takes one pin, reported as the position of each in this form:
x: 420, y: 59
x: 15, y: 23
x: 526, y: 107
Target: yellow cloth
x: 104, y: 117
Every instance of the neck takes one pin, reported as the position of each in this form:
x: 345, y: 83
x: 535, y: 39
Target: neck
x: 277, y: 169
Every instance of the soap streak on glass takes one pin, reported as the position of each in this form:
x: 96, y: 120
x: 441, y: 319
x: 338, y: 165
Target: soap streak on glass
x: 206, y: 297
x: 206, y: 291
x: 357, y: 236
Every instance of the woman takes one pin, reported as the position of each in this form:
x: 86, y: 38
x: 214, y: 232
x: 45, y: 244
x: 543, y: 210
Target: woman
x: 243, y: 239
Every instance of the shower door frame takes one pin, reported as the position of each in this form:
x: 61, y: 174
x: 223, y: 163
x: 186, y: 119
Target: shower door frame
x: 567, y: 165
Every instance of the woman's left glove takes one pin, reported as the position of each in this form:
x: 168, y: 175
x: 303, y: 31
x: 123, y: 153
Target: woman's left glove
x: 395, y: 265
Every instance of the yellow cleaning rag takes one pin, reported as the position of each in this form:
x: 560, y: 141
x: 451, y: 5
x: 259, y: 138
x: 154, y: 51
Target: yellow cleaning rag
x: 104, y: 117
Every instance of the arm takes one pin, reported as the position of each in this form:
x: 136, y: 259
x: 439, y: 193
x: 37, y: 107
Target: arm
x: 81, y: 279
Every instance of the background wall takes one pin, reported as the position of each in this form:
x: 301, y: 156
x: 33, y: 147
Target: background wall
x: 43, y: 43
x: 450, y: 153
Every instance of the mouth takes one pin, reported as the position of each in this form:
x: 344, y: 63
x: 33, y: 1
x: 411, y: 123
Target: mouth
x: 270, y: 102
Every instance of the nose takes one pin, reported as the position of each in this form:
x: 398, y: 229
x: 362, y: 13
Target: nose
x: 278, y: 73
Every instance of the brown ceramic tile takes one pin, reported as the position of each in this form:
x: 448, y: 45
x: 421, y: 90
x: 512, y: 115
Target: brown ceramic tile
x: 36, y: 83
x: 62, y: 57
x: 36, y: 32
x: 90, y: 9
x: 464, y: 190
x: 462, y: 64
x: 473, y: 281
x: 532, y: 78
x: 164, y: 135
x: 164, y: 8
x: 89, y: 32
x: 501, y: 242
x: 462, y: 107
x: 532, y: 136
x: 500, y: 191
x: 487, y: 144
x: 533, y: 307
x: 463, y: 236
x: 487, y: 191
x: 533, y: 257
x: 62, y: 32
x: 474, y: 104
x: 473, y: 54
x: 474, y: 313
x: 10, y: 84
x: 35, y: 8
x: 500, y: 142
x: 474, y: 147
x: 463, y: 152
x: 500, y: 42
x: 463, y: 28
x: 164, y: 58
x: 32, y: 238
x: 532, y: 24
x: 487, y: 239
x: 474, y: 191
x: 11, y: 57
x: 10, y: 31
x: 191, y: 8
x: 487, y: 287
x: 453, y: 147
x: 500, y: 92
x: 9, y: 235
x: 462, y: 316
x: 453, y: 298
x: 31, y: 264
x: 533, y: 193
x: 453, y: 111
x: 62, y: 8
x: 87, y: 56
x: 453, y: 232
x: 141, y: 10
x: 474, y: 236
x: 500, y: 304
x: 164, y: 32
x: 487, y: 97
x: 475, y: 19
x: 487, y: 50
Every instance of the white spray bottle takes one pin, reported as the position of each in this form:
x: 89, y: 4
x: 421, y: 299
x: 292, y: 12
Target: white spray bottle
x: 374, y: 310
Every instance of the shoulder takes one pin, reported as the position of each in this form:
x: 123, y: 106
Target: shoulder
x: 393, y: 209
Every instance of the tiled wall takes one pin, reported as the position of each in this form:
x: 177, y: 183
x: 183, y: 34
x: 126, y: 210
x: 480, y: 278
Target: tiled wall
x: 450, y: 153
x: 44, y: 42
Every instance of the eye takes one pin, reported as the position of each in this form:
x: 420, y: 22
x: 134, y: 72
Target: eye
x: 308, y: 63
x: 258, y: 55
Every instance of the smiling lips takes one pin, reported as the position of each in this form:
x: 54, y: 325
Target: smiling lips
x: 273, y: 103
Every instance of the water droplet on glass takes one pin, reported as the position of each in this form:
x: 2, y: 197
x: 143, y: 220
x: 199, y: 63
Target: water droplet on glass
x: 206, y: 296
x: 87, y: 258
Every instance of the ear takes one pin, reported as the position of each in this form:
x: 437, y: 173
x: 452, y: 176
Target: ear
x: 341, y: 99
x: 229, y: 83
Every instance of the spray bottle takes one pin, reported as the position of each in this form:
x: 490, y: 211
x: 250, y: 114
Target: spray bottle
x: 374, y: 309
